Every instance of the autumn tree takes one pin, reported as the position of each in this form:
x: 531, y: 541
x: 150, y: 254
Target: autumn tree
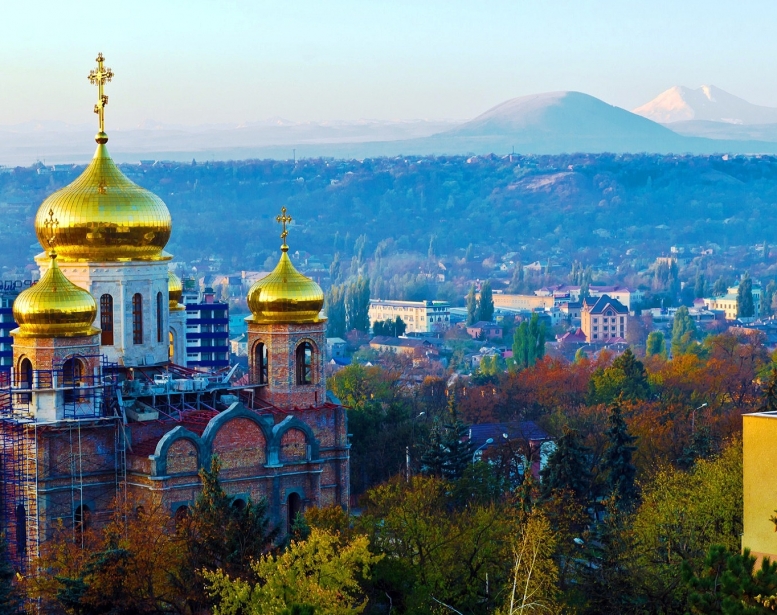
x: 625, y: 379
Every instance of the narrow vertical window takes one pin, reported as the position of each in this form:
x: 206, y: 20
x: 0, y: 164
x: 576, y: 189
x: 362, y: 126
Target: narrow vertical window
x: 260, y: 363
x: 106, y: 320
x: 304, y: 363
x: 137, y: 318
x: 159, y: 319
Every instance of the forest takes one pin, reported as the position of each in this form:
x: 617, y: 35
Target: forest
x: 593, y: 208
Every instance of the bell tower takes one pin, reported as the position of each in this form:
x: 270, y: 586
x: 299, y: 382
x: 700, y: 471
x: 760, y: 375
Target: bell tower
x: 287, y: 335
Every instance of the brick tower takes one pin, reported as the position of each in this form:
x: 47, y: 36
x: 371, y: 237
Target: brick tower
x: 286, y: 335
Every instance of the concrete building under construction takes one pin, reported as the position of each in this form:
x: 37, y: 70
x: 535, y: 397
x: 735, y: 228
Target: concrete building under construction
x: 99, y: 408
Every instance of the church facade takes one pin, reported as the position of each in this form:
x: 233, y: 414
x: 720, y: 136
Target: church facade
x: 100, y: 410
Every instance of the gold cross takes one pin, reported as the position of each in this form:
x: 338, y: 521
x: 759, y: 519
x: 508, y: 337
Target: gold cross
x: 100, y: 77
x: 283, y: 219
x: 51, y: 223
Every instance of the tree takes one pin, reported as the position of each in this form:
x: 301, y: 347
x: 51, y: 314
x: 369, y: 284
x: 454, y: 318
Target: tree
x: 626, y: 379
x: 745, y: 307
x: 730, y: 584
x: 617, y: 460
x: 394, y: 328
x: 768, y: 299
x: 700, y: 288
x: 568, y: 467
x: 10, y: 598
x: 322, y: 573
x: 656, y: 344
x: 529, y: 342
x: 486, y: 304
x: 222, y: 536
x: 472, y: 306
x: 450, y: 450
x: 357, y: 305
x: 683, y: 332
x: 720, y: 287
x: 580, y: 355
x: 335, y: 312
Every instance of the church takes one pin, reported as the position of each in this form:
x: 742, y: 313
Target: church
x: 100, y: 410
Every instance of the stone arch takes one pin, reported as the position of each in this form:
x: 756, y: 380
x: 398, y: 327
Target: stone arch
x: 236, y: 410
x: 74, y: 371
x: 287, y: 424
x: 182, y: 457
x: 160, y: 456
x: 240, y: 443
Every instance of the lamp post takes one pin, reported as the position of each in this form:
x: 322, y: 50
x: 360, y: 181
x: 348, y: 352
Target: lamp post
x: 693, y: 417
x: 481, y: 447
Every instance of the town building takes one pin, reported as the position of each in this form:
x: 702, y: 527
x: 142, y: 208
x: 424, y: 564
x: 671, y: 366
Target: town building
x: 729, y: 303
x: 759, y: 489
x: 336, y: 347
x: 207, y: 332
x: 419, y: 316
x: 483, y: 330
x: 94, y: 413
x: 604, y: 319
x: 409, y: 347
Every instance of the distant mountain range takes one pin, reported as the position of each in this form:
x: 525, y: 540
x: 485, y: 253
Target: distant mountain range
x: 680, y: 121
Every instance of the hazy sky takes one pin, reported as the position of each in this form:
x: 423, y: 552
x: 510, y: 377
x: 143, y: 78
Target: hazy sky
x: 198, y: 62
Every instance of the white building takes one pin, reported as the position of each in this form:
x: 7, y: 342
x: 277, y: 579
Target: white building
x: 419, y: 316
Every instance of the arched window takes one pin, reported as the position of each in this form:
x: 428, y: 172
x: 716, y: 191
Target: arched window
x: 106, y: 320
x: 293, y: 509
x: 171, y: 341
x: 239, y: 503
x: 305, y: 363
x: 137, y: 318
x: 181, y: 516
x: 260, y: 362
x: 24, y: 380
x: 72, y: 374
x: 159, y: 319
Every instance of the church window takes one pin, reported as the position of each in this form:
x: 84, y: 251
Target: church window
x: 106, y: 320
x: 159, y: 318
x: 72, y: 373
x: 24, y: 379
x: 137, y: 318
x: 21, y: 529
x: 305, y: 363
x: 261, y: 362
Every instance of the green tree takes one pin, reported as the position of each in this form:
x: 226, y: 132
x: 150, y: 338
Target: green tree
x: 700, y: 288
x: 568, y: 467
x: 580, y: 355
x: 745, y: 307
x: 472, y: 306
x: 656, y: 344
x: 335, y: 312
x: 720, y: 287
x: 450, y: 450
x: 529, y: 342
x: 626, y: 379
x: 617, y: 461
x: 729, y: 583
x: 683, y: 332
x: 768, y: 299
x: 10, y: 598
x: 486, y: 303
x: 322, y: 574
x: 357, y: 305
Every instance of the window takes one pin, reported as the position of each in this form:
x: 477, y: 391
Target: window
x: 72, y: 373
x: 159, y: 318
x: 621, y: 319
x: 305, y: 363
x: 106, y: 320
x: 137, y: 318
x: 24, y: 379
x: 596, y: 336
x: 82, y: 517
x: 260, y: 363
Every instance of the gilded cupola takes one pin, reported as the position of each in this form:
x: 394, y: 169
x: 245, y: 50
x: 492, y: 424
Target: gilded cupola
x: 103, y: 216
x: 54, y: 307
x: 285, y: 295
x: 175, y: 291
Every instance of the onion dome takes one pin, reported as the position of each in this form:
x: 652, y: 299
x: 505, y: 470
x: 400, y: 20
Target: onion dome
x: 103, y: 216
x: 175, y: 290
x: 54, y: 307
x: 285, y: 296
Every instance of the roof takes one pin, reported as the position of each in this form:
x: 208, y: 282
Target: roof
x: 571, y: 337
x: 599, y: 304
x: 335, y: 340
x: 523, y: 430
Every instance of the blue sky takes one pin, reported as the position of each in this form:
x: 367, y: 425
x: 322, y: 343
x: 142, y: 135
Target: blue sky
x: 199, y: 62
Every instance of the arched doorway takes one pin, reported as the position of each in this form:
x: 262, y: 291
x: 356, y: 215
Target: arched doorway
x: 293, y: 508
x: 260, y: 363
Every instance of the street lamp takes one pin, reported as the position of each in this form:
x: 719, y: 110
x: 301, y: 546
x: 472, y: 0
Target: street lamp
x: 482, y: 446
x: 693, y: 417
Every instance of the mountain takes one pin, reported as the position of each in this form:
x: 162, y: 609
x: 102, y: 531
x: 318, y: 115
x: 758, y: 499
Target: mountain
x: 707, y: 103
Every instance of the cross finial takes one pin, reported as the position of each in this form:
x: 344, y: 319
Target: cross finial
x: 99, y: 77
x: 51, y: 224
x: 284, y: 219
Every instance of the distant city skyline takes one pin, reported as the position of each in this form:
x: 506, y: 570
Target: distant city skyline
x: 200, y: 62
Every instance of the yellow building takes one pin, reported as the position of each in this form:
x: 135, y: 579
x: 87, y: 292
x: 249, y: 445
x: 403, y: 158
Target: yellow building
x: 760, y: 487
x: 523, y: 302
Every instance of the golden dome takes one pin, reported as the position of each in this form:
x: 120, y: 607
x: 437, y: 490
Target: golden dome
x: 285, y: 296
x: 175, y: 290
x: 103, y: 216
x: 54, y: 307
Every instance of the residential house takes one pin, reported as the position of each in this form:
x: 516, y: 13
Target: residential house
x: 483, y: 330
x: 603, y: 318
